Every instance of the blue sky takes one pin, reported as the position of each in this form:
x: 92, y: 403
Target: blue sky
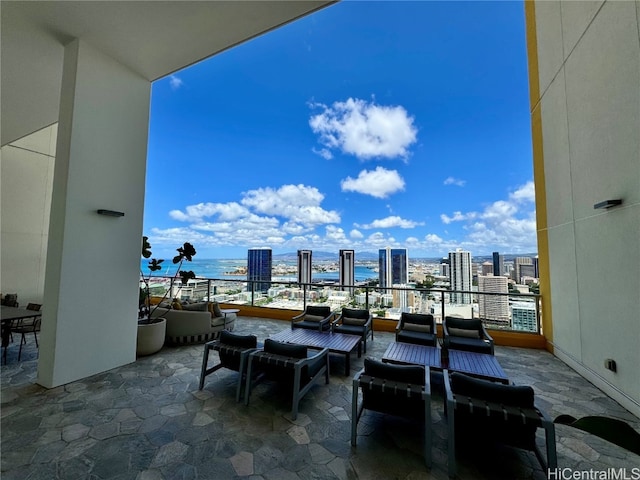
x: 364, y: 125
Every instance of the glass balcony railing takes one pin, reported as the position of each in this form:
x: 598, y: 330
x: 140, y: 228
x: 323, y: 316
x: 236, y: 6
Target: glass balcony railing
x: 499, y: 311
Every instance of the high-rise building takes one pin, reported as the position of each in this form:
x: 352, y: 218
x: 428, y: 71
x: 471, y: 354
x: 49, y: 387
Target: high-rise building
x: 347, y: 268
x: 518, y: 261
x: 259, y: 268
x: 498, y: 264
x: 445, y: 267
x: 487, y: 268
x: 404, y: 300
x: 523, y: 315
x: 460, y: 275
x: 304, y: 266
x: 527, y: 271
x: 393, y: 264
x: 493, y: 307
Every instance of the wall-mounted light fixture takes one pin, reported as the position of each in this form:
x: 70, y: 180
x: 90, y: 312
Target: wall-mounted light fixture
x: 608, y: 204
x: 110, y: 213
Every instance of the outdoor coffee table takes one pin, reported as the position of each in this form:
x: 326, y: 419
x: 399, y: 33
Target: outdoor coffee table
x: 480, y: 365
x: 336, y: 342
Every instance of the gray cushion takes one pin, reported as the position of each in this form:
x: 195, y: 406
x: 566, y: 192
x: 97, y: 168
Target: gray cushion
x: 197, y: 307
x: 414, y: 327
x: 354, y: 321
x: 216, y: 309
x: 313, y: 318
x: 463, y: 332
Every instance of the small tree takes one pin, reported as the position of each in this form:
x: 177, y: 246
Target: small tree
x: 186, y: 252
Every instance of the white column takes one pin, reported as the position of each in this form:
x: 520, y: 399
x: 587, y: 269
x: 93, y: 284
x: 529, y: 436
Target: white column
x: 91, y: 284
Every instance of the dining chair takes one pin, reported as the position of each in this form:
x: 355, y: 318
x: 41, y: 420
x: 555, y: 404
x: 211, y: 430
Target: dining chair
x: 27, y: 325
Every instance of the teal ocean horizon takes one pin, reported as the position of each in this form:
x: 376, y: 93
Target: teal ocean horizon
x: 222, y: 268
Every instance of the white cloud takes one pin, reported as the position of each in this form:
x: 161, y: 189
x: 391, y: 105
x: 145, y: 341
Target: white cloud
x: 226, y: 211
x: 364, y: 129
x: 457, y: 217
x: 379, y: 183
x: 286, y: 218
x: 379, y: 240
x: 455, y: 181
x: 324, y: 153
x: 390, y: 222
x: 525, y: 193
x: 433, y: 238
x: 263, y: 216
x: 298, y: 203
x: 508, y: 224
x: 335, y: 234
x: 175, y: 82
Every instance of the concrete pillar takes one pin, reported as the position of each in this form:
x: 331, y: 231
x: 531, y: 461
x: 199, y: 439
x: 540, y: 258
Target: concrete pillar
x: 91, y: 283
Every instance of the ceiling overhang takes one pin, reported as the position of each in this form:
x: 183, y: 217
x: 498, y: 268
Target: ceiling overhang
x: 152, y: 38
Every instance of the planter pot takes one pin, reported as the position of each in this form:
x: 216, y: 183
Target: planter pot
x: 151, y: 337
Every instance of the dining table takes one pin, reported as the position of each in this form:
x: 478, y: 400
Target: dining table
x: 8, y: 315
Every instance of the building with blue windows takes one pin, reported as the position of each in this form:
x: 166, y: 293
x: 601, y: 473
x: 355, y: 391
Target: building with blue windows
x: 498, y: 264
x: 393, y: 265
x: 259, y: 268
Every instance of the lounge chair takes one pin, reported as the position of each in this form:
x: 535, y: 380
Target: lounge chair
x: 466, y: 334
x: 354, y: 322
x: 290, y: 364
x: 233, y: 350
x: 481, y: 409
x: 417, y: 328
x: 399, y: 390
x: 313, y: 318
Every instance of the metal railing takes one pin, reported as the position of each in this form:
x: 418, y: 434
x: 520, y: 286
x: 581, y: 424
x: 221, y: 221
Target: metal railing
x: 503, y: 311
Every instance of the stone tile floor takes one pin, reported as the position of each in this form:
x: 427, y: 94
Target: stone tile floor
x: 149, y: 421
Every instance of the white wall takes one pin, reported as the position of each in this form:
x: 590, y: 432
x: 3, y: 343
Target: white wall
x: 26, y: 173
x: 589, y: 75
x: 91, y: 287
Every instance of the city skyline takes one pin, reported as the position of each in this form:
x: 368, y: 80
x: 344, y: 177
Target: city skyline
x: 364, y: 125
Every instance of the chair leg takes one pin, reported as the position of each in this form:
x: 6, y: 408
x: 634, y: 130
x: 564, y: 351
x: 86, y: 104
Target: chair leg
x: 354, y: 413
x: 22, y: 342
x: 452, y: 439
x: 296, y: 394
x: 427, y: 430
x: 550, y: 436
x: 205, y: 362
x: 247, y: 386
x: 241, y: 375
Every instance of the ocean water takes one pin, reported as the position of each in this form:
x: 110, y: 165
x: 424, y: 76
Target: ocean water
x: 220, y: 268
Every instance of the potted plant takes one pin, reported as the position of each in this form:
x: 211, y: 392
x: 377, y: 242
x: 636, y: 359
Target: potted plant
x: 151, y: 331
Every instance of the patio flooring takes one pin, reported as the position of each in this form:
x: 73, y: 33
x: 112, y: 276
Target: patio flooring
x: 149, y: 421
